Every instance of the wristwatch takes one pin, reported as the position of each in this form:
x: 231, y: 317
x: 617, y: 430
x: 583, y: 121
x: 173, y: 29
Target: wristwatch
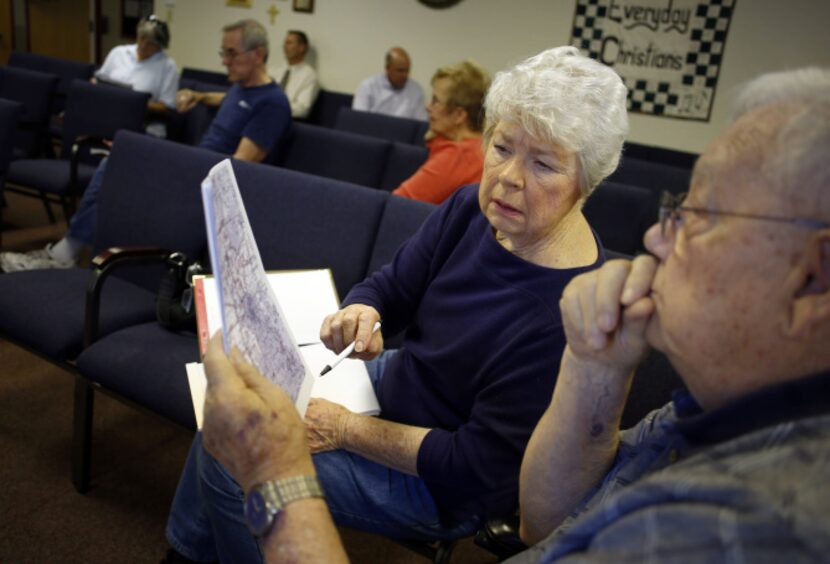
x: 266, y: 501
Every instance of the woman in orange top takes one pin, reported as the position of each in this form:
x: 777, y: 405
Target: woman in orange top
x: 454, y: 136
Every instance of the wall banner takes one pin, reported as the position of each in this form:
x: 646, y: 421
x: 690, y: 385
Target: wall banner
x: 668, y: 52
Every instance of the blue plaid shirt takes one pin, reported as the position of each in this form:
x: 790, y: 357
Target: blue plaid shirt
x: 747, y: 482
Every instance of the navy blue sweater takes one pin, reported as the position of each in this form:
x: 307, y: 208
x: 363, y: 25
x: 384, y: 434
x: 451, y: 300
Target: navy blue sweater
x: 481, y: 353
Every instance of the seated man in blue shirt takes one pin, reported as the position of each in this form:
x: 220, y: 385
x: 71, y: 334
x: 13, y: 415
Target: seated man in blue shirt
x: 254, y: 116
x: 735, y: 292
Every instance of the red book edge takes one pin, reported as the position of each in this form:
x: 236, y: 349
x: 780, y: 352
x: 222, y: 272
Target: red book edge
x: 201, y: 313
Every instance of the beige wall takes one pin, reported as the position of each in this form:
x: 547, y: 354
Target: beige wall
x: 349, y: 38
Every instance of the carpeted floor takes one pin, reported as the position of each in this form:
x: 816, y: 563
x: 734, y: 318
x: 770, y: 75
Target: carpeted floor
x: 136, y: 461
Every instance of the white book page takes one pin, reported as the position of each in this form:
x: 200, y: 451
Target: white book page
x: 252, y: 319
x: 347, y: 384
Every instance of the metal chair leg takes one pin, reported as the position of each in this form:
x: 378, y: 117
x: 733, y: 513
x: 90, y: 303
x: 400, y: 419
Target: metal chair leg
x: 50, y: 214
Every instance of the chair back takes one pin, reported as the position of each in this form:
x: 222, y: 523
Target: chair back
x: 403, y: 161
x: 305, y: 221
x: 100, y: 111
x: 652, y: 175
x: 391, y: 128
x: 621, y: 215
x: 326, y: 106
x: 66, y: 70
x: 151, y: 196
x: 335, y: 154
x: 36, y: 91
x: 10, y: 112
x: 402, y: 217
x: 205, y: 76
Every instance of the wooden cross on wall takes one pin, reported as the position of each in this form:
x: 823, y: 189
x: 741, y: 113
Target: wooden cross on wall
x: 272, y: 13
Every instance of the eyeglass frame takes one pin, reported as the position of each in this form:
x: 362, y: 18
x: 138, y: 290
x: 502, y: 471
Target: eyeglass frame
x: 671, y: 204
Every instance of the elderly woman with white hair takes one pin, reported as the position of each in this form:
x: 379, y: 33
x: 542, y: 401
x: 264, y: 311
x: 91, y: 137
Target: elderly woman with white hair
x: 476, y: 293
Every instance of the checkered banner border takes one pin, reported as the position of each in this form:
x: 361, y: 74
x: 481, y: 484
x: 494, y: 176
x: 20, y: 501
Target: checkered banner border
x: 687, y: 93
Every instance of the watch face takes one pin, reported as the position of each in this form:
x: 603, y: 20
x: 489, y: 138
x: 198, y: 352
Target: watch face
x: 257, y: 515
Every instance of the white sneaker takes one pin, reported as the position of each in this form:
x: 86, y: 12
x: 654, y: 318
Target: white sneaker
x: 33, y: 260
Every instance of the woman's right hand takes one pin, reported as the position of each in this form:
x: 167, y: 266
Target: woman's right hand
x: 353, y: 323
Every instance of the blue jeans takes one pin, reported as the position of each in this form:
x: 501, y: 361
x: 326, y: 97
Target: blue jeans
x: 206, y: 520
x: 83, y: 222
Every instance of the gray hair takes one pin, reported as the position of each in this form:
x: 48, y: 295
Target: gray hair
x: 154, y: 30
x: 565, y: 98
x: 253, y: 34
x: 782, y: 86
x: 794, y: 160
x: 799, y: 160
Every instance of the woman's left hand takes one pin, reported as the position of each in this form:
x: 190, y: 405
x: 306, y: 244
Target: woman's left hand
x: 325, y: 424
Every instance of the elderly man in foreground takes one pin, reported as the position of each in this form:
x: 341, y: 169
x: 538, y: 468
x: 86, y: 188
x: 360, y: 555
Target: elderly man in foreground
x: 736, y: 293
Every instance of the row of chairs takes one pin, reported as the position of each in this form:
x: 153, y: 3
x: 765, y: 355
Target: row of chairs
x: 99, y: 111
x: 99, y: 324
x: 91, y: 114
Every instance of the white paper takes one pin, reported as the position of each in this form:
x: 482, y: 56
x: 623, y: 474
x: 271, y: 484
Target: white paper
x: 306, y: 298
x: 347, y: 384
x: 198, y: 388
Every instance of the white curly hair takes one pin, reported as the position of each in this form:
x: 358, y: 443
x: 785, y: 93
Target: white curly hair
x: 564, y: 98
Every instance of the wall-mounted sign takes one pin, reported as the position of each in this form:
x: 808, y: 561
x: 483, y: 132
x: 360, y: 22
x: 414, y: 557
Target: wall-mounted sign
x: 668, y: 52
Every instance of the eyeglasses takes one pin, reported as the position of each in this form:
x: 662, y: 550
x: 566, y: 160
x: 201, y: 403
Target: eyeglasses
x: 231, y: 54
x: 671, y: 208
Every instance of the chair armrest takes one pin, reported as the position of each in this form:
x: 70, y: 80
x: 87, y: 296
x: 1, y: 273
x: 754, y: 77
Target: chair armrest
x: 105, y: 264
x: 95, y: 145
x: 501, y: 537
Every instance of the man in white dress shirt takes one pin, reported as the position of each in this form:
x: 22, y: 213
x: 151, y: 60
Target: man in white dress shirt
x: 297, y: 78
x: 144, y: 66
x: 392, y: 92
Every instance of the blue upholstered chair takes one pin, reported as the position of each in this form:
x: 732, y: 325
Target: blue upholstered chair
x: 402, y: 217
x: 36, y: 91
x: 10, y: 111
x: 298, y: 220
x: 621, y: 215
x: 391, y: 128
x: 335, y: 154
x: 326, y: 107
x: 140, y: 204
x: 403, y: 160
x: 150, y: 201
x: 655, y: 176
x: 93, y: 112
x: 66, y: 70
x: 205, y: 76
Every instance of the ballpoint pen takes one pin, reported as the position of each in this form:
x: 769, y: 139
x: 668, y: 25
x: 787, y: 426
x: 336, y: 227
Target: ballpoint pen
x: 345, y: 352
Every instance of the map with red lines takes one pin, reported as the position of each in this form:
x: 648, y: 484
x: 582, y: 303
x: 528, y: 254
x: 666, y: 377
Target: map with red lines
x: 252, y: 318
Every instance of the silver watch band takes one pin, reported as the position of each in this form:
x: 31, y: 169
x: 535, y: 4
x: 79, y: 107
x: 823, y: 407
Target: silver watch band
x: 283, y: 492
